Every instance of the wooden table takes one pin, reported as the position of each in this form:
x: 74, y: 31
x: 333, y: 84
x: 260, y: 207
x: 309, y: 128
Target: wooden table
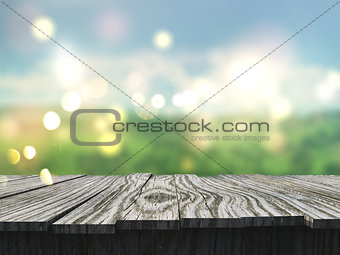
x: 170, y: 214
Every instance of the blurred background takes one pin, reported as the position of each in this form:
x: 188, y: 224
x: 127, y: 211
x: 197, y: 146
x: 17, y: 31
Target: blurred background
x: 169, y: 57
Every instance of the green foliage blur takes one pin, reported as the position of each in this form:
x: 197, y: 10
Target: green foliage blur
x: 298, y: 145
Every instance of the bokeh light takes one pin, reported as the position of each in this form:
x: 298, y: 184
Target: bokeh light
x: 334, y: 78
x: 158, y: 101
x: 250, y: 79
x: 68, y: 70
x: 109, y: 150
x: 46, y: 177
x: 13, y: 156
x: 9, y: 127
x: 189, y: 97
x: 291, y: 93
x: 62, y: 134
x: 325, y: 93
x: 327, y: 90
x: 163, y: 40
x: 204, y: 86
x: 100, y: 124
x: 51, y: 120
x: 187, y: 165
x: 281, y: 109
x: 46, y: 25
x: 124, y: 114
x: 135, y: 80
x: 258, y: 85
x: 178, y: 100
x: 3, y: 181
x: 96, y: 88
x: 29, y: 152
x: 138, y: 98
x: 70, y: 101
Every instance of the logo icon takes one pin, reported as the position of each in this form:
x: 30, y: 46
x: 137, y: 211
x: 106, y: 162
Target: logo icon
x: 73, y: 127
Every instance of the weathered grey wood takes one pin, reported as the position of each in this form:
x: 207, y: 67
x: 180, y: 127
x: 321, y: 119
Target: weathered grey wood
x: 98, y: 204
x: 227, y: 214
x: 20, y: 185
x: 16, y: 177
x: 37, y: 209
x: 202, y: 206
x: 320, y: 208
x: 99, y: 215
x: 326, y: 180
x: 140, y: 201
x: 156, y: 207
x: 219, y: 202
x: 303, y: 184
x: 324, y: 200
x: 323, y: 196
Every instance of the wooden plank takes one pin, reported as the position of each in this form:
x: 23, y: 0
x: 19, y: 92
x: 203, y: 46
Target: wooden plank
x: 325, y: 201
x: 37, y: 209
x: 98, y: 204
x: 99, y: 215
x: 323, y: 192
x: 202, y: 206
x: 28, y: 184
x: 155, y: 208
x: 9, y: 178
x: 219, y: 202
x: 320, y: 209
x: 326, y: 180
x: 324, y: 189
x: 324, y: 196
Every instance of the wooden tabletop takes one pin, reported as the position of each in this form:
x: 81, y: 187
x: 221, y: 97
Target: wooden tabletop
x: 104, y: 204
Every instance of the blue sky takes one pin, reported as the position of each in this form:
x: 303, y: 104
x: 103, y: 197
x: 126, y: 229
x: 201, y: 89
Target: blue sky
x: 206, y: 35
x: 198, y: 25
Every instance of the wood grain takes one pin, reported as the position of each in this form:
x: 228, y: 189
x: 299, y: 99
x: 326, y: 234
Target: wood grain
x: 35, y: 210
x: 20, y: 185
x: 155, y: 207
x: 225, y: 203
x: 104, y: 205
x: 319, y: 206
x: 325, y: 180
x: 137, y: 201
x: 100, y: 214
x: 16, y: 177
